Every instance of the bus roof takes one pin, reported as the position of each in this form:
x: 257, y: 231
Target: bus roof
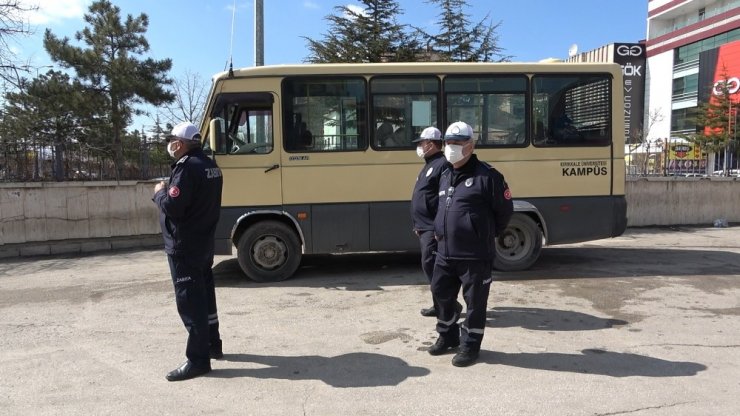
x: 418, y: 67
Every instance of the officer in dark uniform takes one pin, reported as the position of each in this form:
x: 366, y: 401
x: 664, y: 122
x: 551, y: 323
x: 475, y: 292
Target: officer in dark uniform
x: 425, y: 199
x: 189, y: 206
x: 474, y: 206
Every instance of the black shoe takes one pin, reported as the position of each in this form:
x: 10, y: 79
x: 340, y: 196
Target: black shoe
x: 429, y: 312
x: 442, y: 345
x: 433, y: 312
x: 186, y: 371
x: 216, y: 351
x: 465, y: 357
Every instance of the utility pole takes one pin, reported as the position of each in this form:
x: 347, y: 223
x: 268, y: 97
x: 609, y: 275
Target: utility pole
x: 259, y: 34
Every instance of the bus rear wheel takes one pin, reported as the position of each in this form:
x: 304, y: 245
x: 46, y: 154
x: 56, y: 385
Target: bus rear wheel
x: 269, y: 251
x: 519, y: 246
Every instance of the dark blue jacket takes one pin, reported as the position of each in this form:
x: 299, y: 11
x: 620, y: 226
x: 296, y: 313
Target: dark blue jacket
x: 190, y: 205
x: 474, y: 206
x: 425, y: 198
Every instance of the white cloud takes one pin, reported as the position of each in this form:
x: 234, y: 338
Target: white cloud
x: 355, y: 9
x: 310, y: 4
x: 52, y: 11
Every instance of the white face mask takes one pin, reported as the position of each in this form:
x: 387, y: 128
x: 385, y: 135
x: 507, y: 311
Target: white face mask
x: 454, y: 153
x: 420, y: 150
x: 170, y: 150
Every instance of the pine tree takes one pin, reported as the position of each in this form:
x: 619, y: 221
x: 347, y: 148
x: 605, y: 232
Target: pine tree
x: 370, y: 35
x: 459, y: 40
x: 111, y: 66
x: 50, y: 111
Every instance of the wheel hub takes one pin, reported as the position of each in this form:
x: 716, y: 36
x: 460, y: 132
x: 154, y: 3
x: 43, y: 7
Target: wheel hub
x: 269, y: 252
x: 509, y: 240
x: 513, y: 244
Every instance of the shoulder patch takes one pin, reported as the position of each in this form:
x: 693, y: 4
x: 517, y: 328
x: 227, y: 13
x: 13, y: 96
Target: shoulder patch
x: 507, y: 194
x: 173, y: 192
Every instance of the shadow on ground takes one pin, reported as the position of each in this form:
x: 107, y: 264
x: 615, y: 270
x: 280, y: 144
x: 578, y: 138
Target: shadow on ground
x: 356, y: 369
x: 595, y: 361
x: 539, y: 319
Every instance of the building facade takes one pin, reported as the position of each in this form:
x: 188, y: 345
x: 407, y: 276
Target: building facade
x: 691, y: 45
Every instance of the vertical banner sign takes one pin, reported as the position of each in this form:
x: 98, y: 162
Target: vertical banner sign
x: 631, y: 57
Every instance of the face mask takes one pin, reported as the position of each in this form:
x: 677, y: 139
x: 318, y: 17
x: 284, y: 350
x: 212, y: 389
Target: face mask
x: 454, y: 153
x: 170, y: 150
x: 420, y: 150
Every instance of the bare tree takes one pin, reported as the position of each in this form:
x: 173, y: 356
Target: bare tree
x: 640, y: 137
x: 13, y: 23
x: 190, y: 94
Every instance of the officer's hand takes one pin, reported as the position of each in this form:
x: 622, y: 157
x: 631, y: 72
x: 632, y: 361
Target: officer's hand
x: 158, y: 187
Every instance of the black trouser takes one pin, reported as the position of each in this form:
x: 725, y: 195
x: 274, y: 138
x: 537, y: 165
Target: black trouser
x: 428, y: 246
x: 195, y: 295
x: 475, y: 278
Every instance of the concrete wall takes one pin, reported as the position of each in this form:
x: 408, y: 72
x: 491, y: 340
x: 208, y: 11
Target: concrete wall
x: 682, y: 201
x: 71, y: 217
x: 49, y: 218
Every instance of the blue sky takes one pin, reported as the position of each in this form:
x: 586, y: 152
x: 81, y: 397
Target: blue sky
x: 196, y: 34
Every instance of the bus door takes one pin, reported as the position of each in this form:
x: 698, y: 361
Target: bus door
x: 247, y: 154
x: 325, y: 166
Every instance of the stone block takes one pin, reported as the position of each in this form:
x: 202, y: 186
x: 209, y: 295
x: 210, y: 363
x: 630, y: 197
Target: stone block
x: 34, y: 209
x: 93, y: 245
x: 98, y: 203
x: 64, y: 247
x: 12, y: 218
x: 39, y: 249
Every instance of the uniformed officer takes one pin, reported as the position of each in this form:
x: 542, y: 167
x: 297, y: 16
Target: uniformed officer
x: 189, y: 206
x: 424, y: 199
x: 474, y: 205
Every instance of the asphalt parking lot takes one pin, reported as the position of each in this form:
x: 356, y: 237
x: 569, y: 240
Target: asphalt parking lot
x: 644, y: 324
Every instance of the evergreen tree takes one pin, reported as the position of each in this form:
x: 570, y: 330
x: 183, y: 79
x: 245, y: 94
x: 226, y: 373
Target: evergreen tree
x: 111, y: 66
x: 370, y: 35
x: 716, y: 120
x: 460, y: 40
x: 49, y: 112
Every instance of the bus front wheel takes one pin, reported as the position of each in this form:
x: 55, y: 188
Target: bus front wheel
x: 519, y: 246
x: 269, y: 251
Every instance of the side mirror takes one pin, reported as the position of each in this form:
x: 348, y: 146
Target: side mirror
x: 215, y: 133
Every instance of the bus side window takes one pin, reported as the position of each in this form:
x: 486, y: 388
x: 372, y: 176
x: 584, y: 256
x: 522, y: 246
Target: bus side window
x: 494, y: 105
x: 575, y: 110
x: 383, y: 133
x: 299, y: 137
x: 252, y: 131
x: 324, y: 114
x: 403, y: 106
x: 247, y: 123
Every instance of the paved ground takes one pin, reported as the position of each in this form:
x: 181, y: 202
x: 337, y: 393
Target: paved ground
x: 644, y: 324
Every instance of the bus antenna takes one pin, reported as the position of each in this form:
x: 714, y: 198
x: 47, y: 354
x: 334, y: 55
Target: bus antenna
x: 231, y: 47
